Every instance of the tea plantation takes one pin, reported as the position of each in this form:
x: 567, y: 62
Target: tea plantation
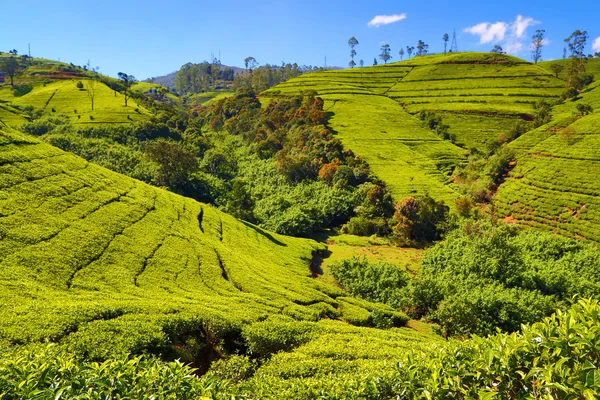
x: 106, y: 266
x: 373, y: 109
x: 554, y: 184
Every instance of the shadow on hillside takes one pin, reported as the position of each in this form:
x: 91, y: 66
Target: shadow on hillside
x: 264, y: 233
x: 317, y: 262
x: 328, y: 115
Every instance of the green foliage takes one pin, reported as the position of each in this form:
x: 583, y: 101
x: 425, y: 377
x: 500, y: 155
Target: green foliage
x: 197, y: 78
x: 542, y: 113
x: 380, y: 282
x: 584, y: 109
x: 435, y: 123
x: 50, y: 373
x: 419, y: 220
x: 277, y: 334
x: 46, y: 124
x: 176, y: 164
x: 554, y: 358
x: 484, y: 277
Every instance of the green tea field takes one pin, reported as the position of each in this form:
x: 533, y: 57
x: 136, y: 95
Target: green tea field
x: 373, y: 110
x: 105, y: 265
x: 554, y: 185
x: 64, y: 97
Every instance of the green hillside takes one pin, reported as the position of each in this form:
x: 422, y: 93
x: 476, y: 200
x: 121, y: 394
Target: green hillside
x: 373, y: 110
x: 52, y: 86
x: 107, y: 265
x: 64, y: 97
x: 554, y: 185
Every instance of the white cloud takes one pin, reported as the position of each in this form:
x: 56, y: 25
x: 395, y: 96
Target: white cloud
x: 386, y: 19
x: 513, y: 47
x: 596, y: 44
x: 489, y: 32
x: 510, y: 33
x: 519, y: 27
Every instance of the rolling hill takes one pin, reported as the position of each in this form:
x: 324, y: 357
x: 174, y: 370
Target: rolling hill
x: 373, y: 110
x: 106, y: 265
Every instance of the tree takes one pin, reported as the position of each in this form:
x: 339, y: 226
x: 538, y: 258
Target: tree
x: 542, y: 113
x: 564, y: 53
x: 497, y: 49
x: 584, y: 109
x: 374, y: 61
x: 127, y: 81
x: 576, y: 43
x: 176, y: 164
x: 401, y: 52
x: 597, y: 54
x: 422, y: 48
x: 13, y: 52
x: 536, y: 45
x: 352, y: 64
x: 250, y: 63
x: 445, y: 38
x: 385, y: 53
x: 352, y: 42
x: 557, y: 69
x: 10, y: 66
x: 90, y: 87
x: 409, y: 50
x: 419, y: 220
x: 362, y: 63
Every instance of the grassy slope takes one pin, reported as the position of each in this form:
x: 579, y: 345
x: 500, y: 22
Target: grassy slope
x: 554, y: 185
x: 64, y: 97
x: 54, y: 87
x: 94, y: 258
x: 479, y: 95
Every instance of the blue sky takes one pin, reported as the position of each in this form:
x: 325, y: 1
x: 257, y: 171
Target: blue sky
x: 150, y: 38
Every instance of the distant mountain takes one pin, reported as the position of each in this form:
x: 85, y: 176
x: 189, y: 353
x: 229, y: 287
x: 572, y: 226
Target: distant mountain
x: 169, y: 79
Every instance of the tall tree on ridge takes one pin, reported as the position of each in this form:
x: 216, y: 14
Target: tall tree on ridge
x: 127, y: 81
x: 10, y: 66
x: 497, y: 49
x: 352, y: 42
x: 401, y: 52
x: 576, y: 43
x: 445, y: 38
x: 536, y: 45
x: 90, y: 87
x: 385, y: 53
x: 409, y: 50
x: 250, y: 63
x: 422, y: 48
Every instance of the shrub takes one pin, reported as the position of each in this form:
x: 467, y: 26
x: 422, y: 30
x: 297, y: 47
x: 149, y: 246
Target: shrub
x: 277, y: 334
x: 79, y: 85
x: 419, y: 220
x: 380, y: 281
x: 584, y: 109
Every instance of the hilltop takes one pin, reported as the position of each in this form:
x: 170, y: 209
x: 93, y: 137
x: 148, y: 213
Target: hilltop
x: 62, y: 88
x: 168, y: 80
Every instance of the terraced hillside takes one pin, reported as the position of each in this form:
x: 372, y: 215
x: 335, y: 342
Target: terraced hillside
x: 64, y: 97
x: 479, y: 95
x: 554, y: 185
x: 105, y: 264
